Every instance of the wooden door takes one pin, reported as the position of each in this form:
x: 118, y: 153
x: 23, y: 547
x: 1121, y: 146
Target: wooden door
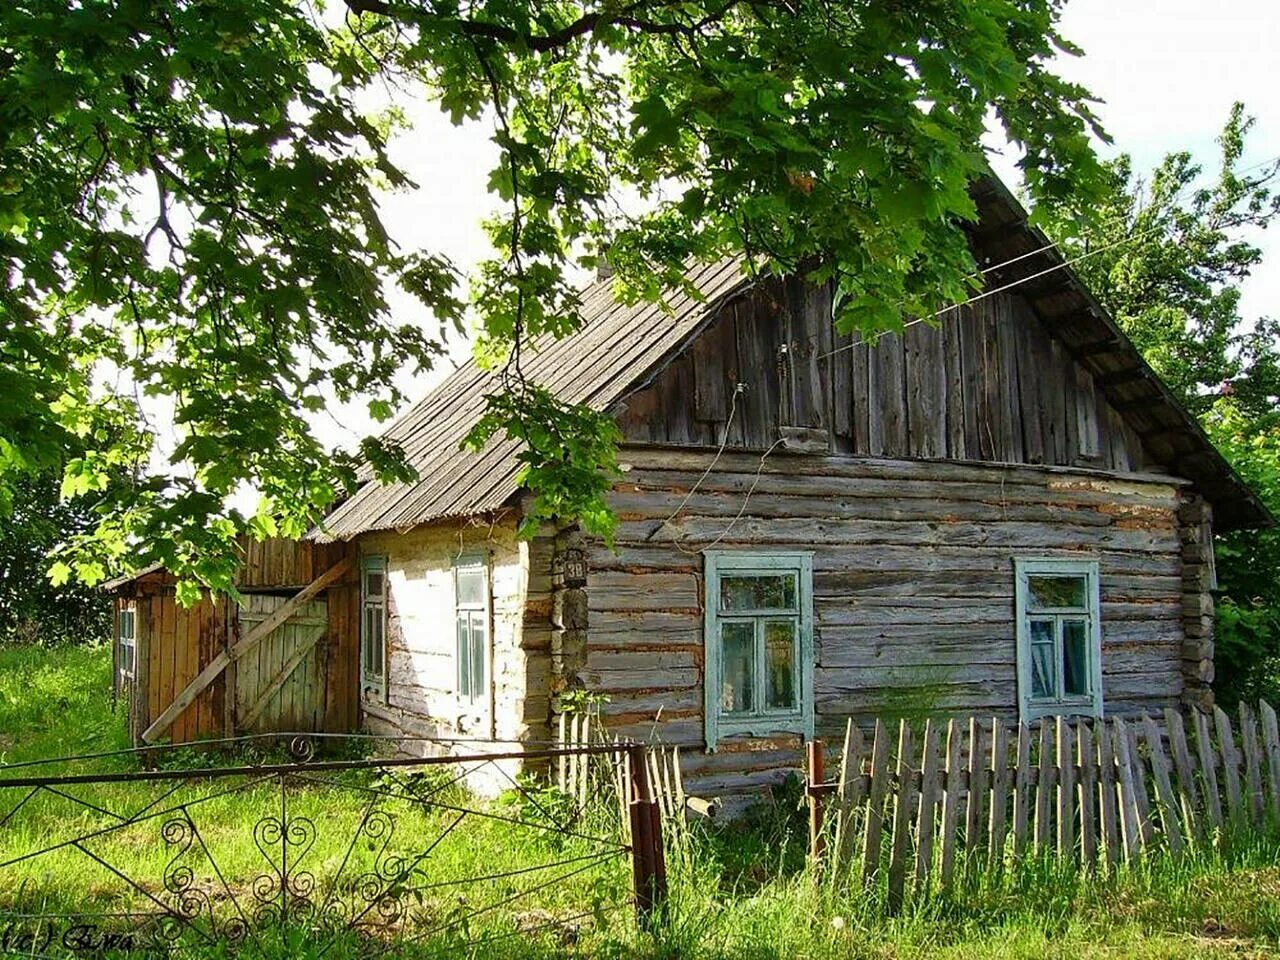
x: 280, y: 683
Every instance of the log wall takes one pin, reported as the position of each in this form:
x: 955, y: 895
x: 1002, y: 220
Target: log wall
x: 913, y: 587
x: 988, y: 383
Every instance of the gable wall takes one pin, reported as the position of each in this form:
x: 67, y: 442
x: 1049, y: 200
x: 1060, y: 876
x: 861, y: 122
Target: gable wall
x: 988, y: 384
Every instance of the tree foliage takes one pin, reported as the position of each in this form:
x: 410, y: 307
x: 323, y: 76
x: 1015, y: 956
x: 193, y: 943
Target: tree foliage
x: 1169, y: 255
x: 188, y: 221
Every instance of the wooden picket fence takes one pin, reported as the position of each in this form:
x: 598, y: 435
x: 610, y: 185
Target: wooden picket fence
x: 921, y: 805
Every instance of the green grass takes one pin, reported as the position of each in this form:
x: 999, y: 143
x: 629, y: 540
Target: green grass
x: 738, y: 891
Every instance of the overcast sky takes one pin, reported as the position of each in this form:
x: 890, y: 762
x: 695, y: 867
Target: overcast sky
x: 1167, y: 71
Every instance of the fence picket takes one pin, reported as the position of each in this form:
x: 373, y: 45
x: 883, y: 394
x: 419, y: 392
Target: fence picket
x: 951, y: 802
x: 1021, y: 791
x: 1141, y: 792
x: 999, y: 792
x: 1066, y: 789
x: 1088, y: 758
x: 1112, y: 839
x: 875, y: 804
x: 1167, y: 800
x: 562, y: 781
x: 930, y: 784
x: 1044, y: 787
x: 1208, y: 768
x: 974, y: 820
x: 1187, y: 792
x: 850, y: 795
x: 1130, y: 818
x: 902, y: 815
x: 1252, y: 761
x: 1271, y: 743
x: 1230, y: 765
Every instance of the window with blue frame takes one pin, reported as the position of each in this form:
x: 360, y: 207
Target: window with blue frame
x: 1059, y: 627
x: 758, y: 638
x: 471, y: 610
x: 373, y: 627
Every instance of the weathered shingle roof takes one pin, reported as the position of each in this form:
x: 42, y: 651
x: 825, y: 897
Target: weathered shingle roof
x: 617, y: 345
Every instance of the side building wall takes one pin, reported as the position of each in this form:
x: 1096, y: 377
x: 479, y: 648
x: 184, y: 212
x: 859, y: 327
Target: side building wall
x: 421, y: 698
x: 913, y: 588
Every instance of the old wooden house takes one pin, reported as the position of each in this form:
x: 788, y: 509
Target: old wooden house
x: 1005, y: 512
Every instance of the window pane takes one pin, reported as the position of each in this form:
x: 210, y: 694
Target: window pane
x: 471, y: 586
x: 738, y: 645
x: 374, y: 585
x: 1056, y: 591
x: 478, y: 686
x: 779, y: 654
x: 1042, y: 676
x: 765, y: 592
x: 1075, y: 658
x: 126, y: 625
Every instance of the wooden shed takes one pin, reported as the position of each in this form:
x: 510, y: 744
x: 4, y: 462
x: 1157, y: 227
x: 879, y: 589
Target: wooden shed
x: 1004, y: 513
x: 283, y: 659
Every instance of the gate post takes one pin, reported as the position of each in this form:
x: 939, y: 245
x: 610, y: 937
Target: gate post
x: 648, y: 859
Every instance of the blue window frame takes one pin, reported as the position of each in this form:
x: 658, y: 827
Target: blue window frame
x: 758, y: 642
x: 1059, y: 624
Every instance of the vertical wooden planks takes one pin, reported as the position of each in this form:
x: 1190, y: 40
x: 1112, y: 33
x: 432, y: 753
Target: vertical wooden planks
x: 1109, y: 820
x: 1167, y: 801
x: 1208, y: 769
x: 1141, y: 793
x: 926, y: 391
x: 901, y: 816
x: 1271, y: 744
x: 850, y: 794
x: 996, y: 828
x: 1022, y: 791
x: 1044, y: 788
x: 1252, y: 761
x: 930, y: 789
x: 1066, y: 789
x: 1230, y: 766
x: 1185, y: 772
x: 1088, y: 763
x: 951, y: 332
x: 975, y: 821
x: 951, y: 803
x: 1130, y: 819
x: 875, y: 803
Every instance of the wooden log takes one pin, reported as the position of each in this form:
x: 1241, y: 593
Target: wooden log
x: 875, y: 802
x: 850, y: 795
x: 1109, y: 819
x: 1167, y: 800
x: 1185, y: 772
x: 1021, y: 792
x: 1271, y: 744
x: 1044, y: 787
x: 930, y: 789
x: 1088, y: 763
x: 905, y: 794
x: 951, y: 802
x: 1252, y: 762
x: 998, y: 822
x: 1130, y: 819
x: 1066, y: 790
x: 1208, y: 769
x: 1230, y: 766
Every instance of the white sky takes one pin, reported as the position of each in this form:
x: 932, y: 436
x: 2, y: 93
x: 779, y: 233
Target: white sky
x: 1167, y: 71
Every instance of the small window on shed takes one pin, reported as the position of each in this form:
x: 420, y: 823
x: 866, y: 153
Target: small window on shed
x: 1059, y: 638
x: 758, y: 637
x: 373, y: 627
x: 127, y: 634
x: 471, y: 613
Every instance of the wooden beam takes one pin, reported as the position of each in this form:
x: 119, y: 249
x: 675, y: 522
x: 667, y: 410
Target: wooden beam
x: 245, y: 644
x: 1127, y: 375
x: 279, y: 680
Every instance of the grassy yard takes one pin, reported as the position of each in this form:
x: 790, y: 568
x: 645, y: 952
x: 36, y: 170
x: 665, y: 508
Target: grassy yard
x: 740, y: 892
